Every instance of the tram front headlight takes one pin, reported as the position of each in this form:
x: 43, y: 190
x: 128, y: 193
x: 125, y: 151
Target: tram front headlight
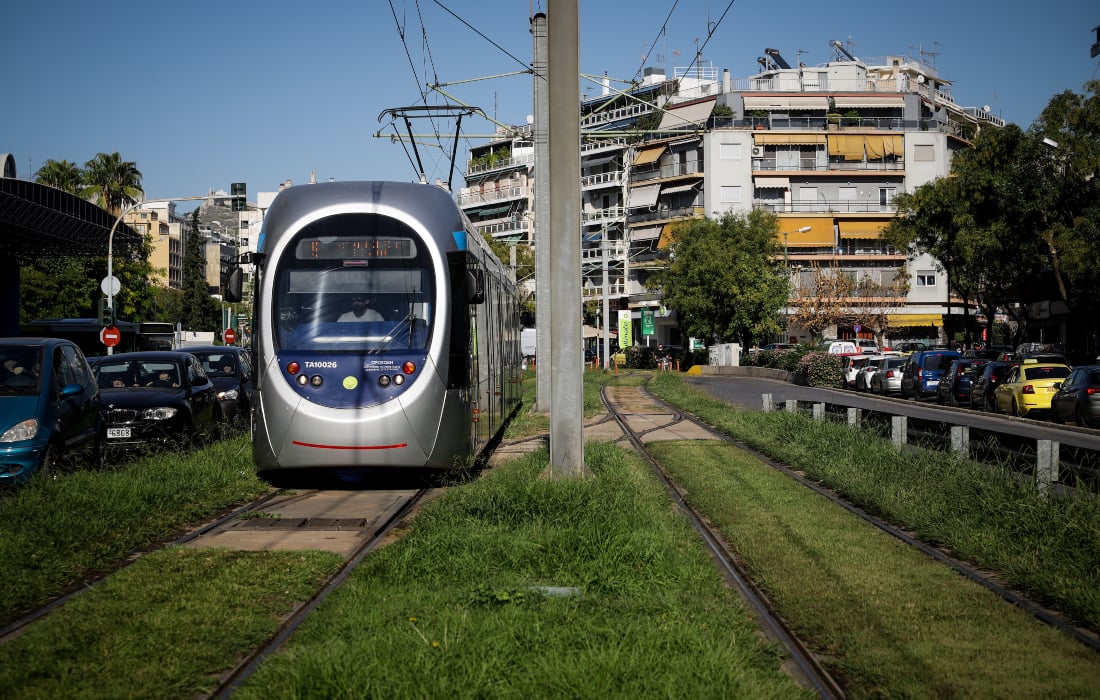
x: 292, y: 367
x: 384, y: 380
x: 409, y: 367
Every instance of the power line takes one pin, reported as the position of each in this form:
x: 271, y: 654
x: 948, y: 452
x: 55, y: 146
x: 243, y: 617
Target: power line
x: 478, y: 32
x: 657, y: 38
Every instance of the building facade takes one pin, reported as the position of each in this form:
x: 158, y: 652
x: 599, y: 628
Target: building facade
x: 826, y: 148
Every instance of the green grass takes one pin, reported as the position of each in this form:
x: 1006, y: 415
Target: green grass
x: 907, y: 625
x: 165, y: 627
x: 455, y: 610
x: 528, y: 423
x: 1050, y: 548
x: 57, y: 533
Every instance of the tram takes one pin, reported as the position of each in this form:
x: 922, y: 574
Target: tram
x: 385, y: 332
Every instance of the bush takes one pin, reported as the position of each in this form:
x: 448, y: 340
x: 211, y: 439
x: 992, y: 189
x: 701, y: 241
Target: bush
x: 820, y: 369
x: 640, y: 357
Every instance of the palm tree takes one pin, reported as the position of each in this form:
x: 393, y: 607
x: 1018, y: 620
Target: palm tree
x: 61, y: 174
x: 111, y: 182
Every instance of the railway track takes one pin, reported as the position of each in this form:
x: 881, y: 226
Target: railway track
x: 980, y: 577
x: 637, y: 427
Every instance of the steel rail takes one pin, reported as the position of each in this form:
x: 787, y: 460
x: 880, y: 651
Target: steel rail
x: 807, y: 669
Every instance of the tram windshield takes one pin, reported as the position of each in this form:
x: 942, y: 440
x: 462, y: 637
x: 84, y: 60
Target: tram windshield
x: 366, y: 288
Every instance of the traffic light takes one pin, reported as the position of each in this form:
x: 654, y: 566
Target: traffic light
x: 237, y: 191
x: 106, y: 313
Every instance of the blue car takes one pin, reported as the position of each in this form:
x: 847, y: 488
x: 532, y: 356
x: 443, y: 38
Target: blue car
x: 49, y: 408
x: 923, y: 370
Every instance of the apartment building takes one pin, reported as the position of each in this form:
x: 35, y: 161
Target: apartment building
x: 826, y: 148
x: 159, y: 219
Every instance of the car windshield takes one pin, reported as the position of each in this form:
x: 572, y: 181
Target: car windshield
x: 128, y: 374
x: 218, y: 364
x: 937, y: 362
x: 1046, y: 372
x: 20, y: 369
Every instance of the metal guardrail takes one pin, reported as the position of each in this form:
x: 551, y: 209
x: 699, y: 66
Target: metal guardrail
x: 1051, y: 465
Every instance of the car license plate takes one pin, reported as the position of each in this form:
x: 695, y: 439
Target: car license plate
x: 933, y: 382
x: 118, y: 433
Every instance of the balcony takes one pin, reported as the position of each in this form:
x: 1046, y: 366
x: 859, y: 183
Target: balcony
x: 611, y: 116
x: 504, y: 228
x: 770, y: 164
x: 672, y: 170
x: 825, y: 206
x: 473, y: 199
x: 599, y: 216
x: 502, y: 164
x: 612, y: 179
x: 666, y: 214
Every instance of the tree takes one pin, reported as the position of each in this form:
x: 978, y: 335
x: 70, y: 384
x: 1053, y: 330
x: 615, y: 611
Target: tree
x: 878, y: 300
x: 820, y: 297
x: 111, y: 182
x: 724, y: 277
x: 63, y: 175
x: 200, y: 311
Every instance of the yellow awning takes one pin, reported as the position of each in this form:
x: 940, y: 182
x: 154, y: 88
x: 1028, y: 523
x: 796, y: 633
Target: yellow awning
x: 899, y: 320
x: 847, y: 146
x: 649, y: 155
x: 884, y: 145
x: 668, y: 236
x: 861, y: 229
x: 820, y: 233
x: 796, y: 139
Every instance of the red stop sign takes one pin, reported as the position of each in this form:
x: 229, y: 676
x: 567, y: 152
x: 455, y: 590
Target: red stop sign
x: 230, y: 336
x: 110, y: 336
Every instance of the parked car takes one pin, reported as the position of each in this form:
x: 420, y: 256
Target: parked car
x: 850, y: 365
x: 778, y: 346
x: 230, y: 369
x: 887, y: 380
x: 921, y: 376
x: 842, y: 347
x: 985, y: 383
x: 955, y: 386
x: 908, y: 347
x: 1028, y: 388
x: 867, y: 345
x: 1078, y: 398
x: 151, y: 399
x: 49, y: 408
x: 864, y: 375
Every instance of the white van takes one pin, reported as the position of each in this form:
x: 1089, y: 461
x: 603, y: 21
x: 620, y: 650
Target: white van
x: 843, y: 347
x: 527, y: 343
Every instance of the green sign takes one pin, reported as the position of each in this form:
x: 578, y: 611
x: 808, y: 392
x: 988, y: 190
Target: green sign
x: 647, y: 321
x: 625, y: 339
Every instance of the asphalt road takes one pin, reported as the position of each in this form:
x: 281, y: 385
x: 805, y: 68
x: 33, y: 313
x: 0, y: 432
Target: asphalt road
x: 746, y: 392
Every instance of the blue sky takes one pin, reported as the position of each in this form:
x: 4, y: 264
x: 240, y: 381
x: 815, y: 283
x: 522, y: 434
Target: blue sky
x: 202, y: 94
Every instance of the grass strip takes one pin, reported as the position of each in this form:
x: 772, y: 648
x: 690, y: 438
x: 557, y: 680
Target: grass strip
x: 1047, y: 547
x: 466, y: 604
x: 165, y: 627
x: 891, y: 621
x: 56, y: 533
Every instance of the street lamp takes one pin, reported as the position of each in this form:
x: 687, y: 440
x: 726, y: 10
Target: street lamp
x: 787, y: 269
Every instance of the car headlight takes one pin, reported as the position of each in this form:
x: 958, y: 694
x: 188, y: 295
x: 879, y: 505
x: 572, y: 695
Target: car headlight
x: 24, y: 430
x: 227, y: 395
x: 159, y: 413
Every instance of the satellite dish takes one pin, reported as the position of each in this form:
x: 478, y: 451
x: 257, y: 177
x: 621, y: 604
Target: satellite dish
x: 985, y: 107
x: 530, y: 119
x: 920, y: 79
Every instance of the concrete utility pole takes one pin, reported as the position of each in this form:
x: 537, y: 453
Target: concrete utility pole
x: 566, y: 364
x: 541, y: 237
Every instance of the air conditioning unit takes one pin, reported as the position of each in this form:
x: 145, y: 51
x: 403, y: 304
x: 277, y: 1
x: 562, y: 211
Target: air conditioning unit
x: 757, y: 151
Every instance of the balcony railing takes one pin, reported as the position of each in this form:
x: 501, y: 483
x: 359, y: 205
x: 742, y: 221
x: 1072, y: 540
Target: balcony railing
x: 826, y: 206
x: 612, y: 179
x: 593, y: 215
x: 772, y: 164
x: 474, y: 198
x: 640, y: 215
x: 474, y: 169
x: 595, y: 291
x: 518, y: 225
x: 609, y: 249
x: 678, y: 169
x: 632, y: 111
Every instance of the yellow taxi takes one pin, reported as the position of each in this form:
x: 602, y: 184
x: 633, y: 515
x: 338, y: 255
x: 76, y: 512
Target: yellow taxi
x: 1029, y: 387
